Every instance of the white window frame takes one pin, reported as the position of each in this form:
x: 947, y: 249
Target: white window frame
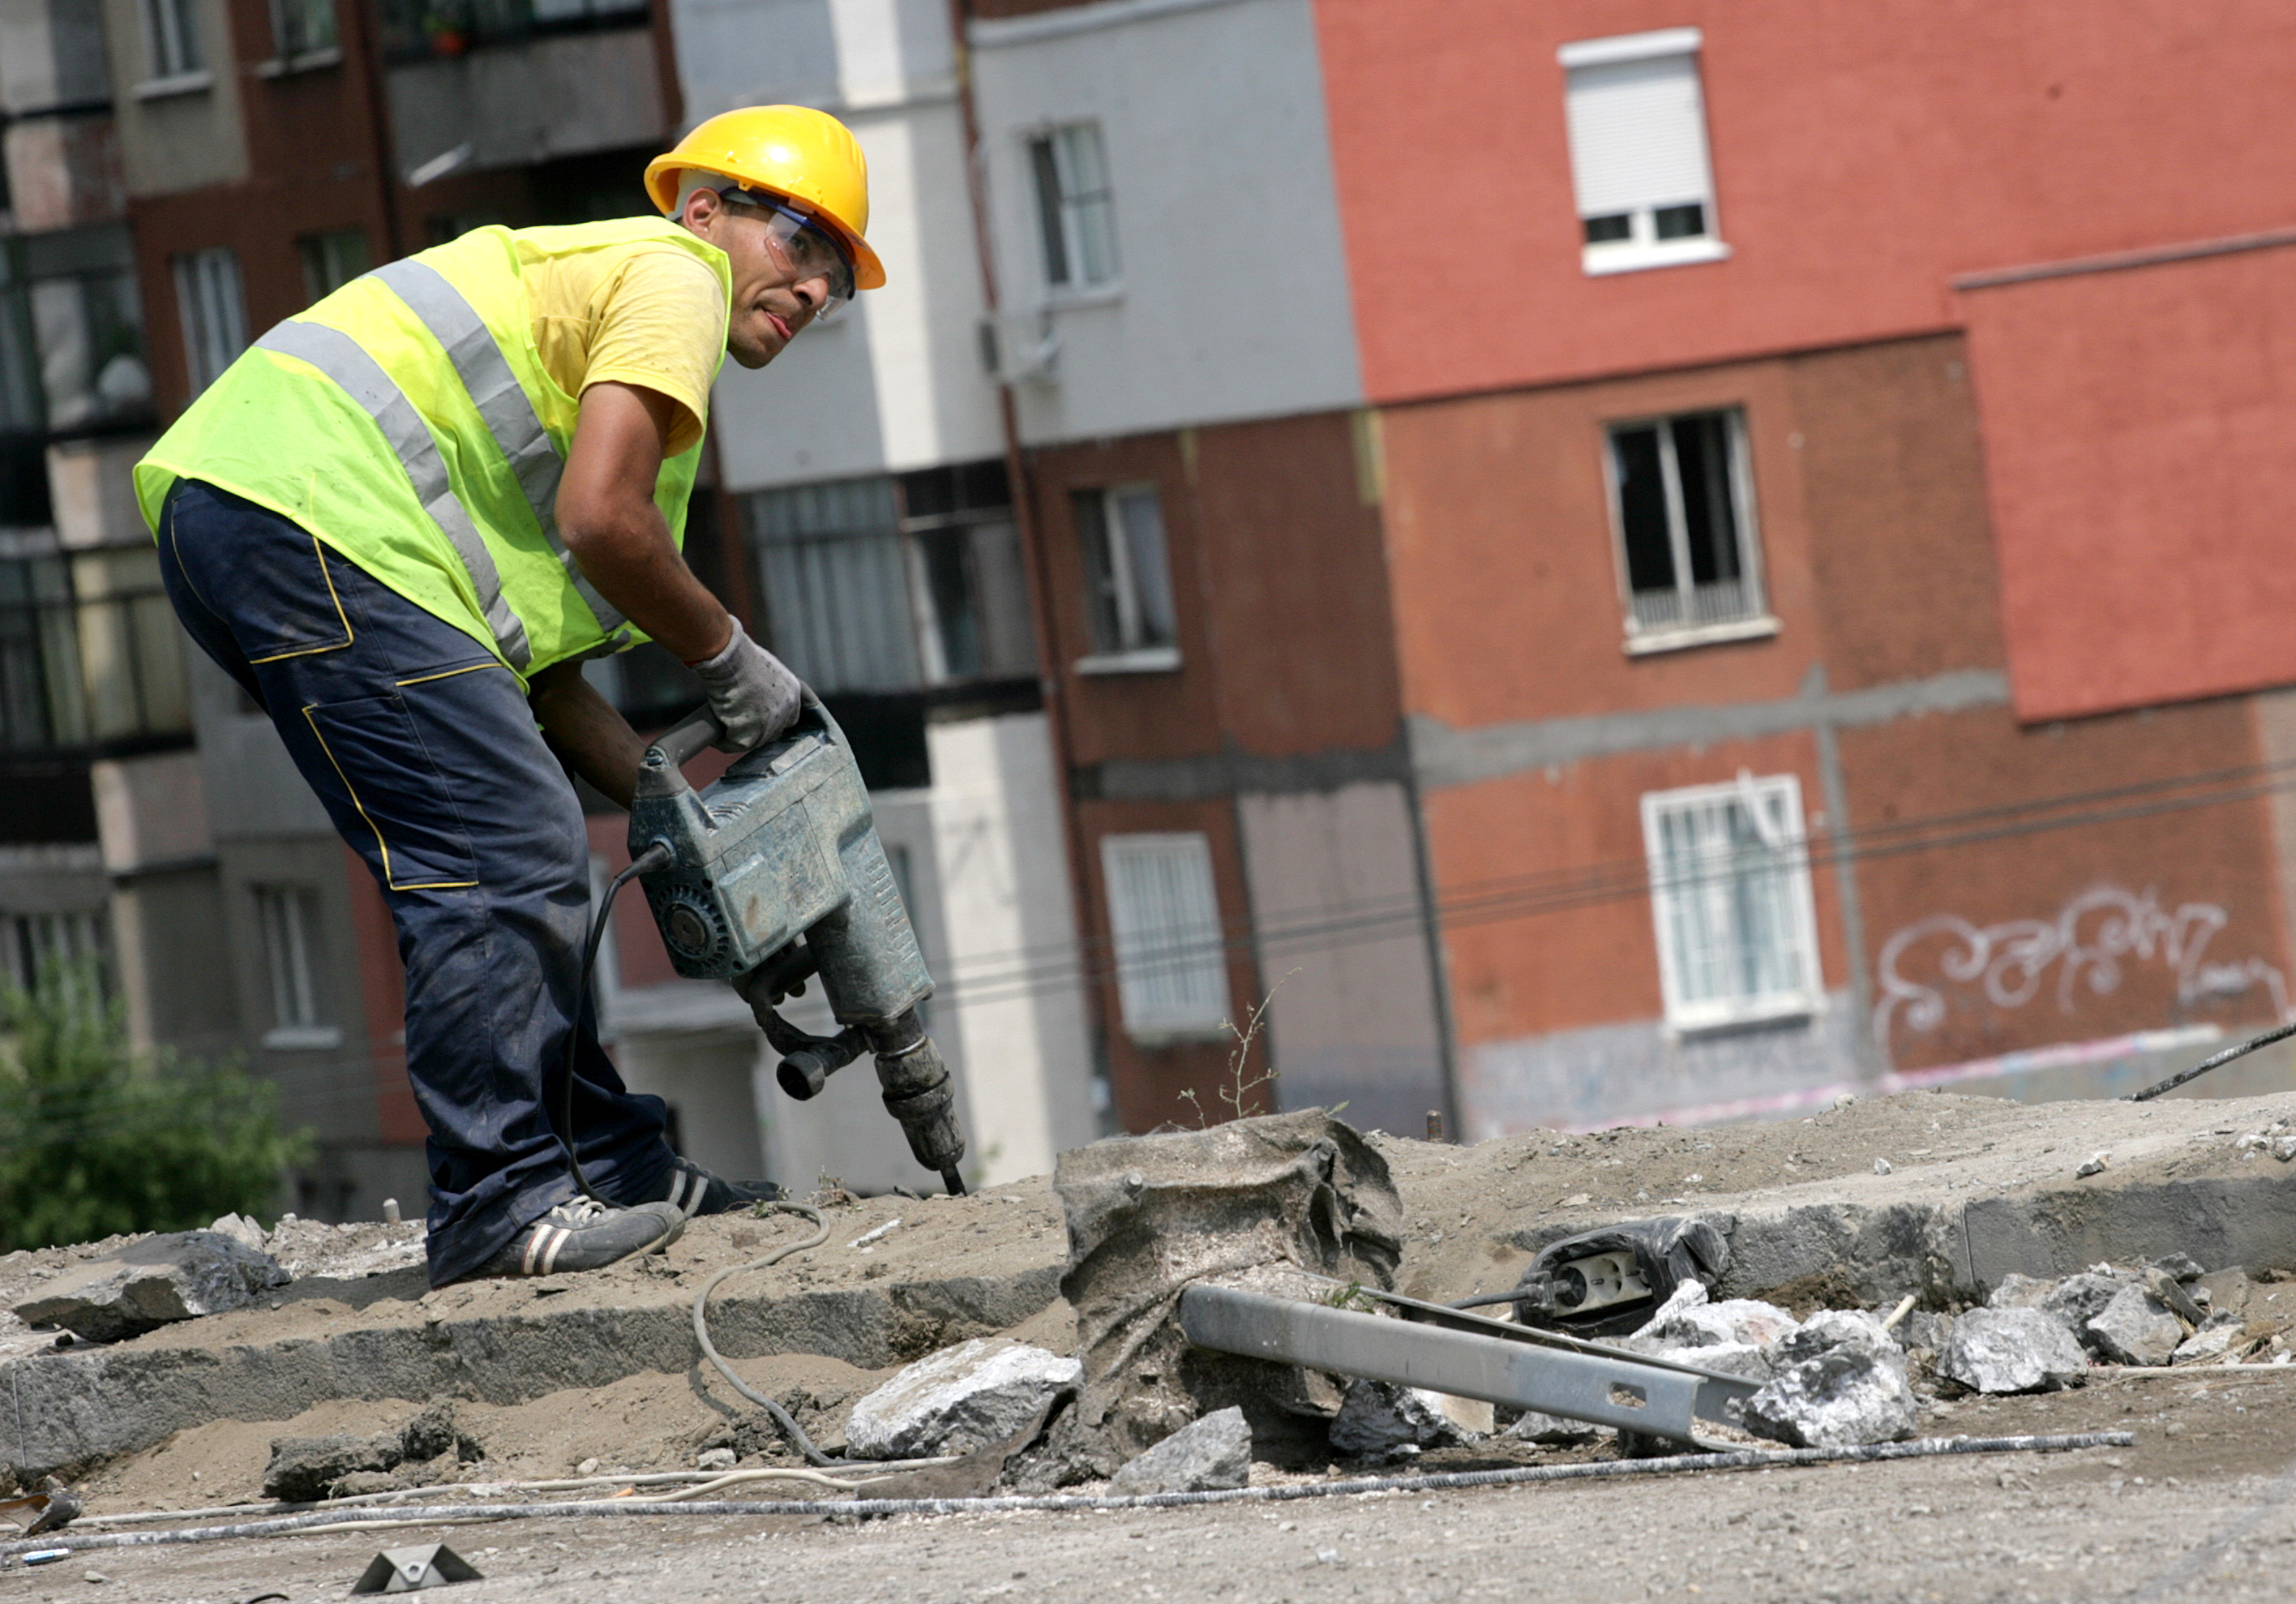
x: 1585, y: 63
x: 1755, y: 621
x: 212, y: 307
x: 1699, y: 901
x: 28, y: 941
x: 287, y: 918
x: 1080, y: 276
x: 1131, y: 652
x: 1171, y: 962
x: 172, y: 47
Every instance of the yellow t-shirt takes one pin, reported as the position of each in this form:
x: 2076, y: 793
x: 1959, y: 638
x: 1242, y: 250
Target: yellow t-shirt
x: 644, y: 313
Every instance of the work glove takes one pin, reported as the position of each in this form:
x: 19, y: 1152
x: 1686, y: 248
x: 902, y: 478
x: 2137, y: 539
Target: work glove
x: 753, y: 695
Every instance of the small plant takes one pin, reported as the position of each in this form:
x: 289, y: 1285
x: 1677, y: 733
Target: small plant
x: 1239, y: 1062
x: 1349, y: 1296
x: 829, y: 1191
x: 95, y: 1140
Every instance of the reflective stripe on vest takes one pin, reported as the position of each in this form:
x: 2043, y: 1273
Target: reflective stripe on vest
x: 361, y: 377
x: 505, y: 410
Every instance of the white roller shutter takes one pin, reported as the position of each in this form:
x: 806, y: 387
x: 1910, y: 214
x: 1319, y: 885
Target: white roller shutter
x: 1638, y: 135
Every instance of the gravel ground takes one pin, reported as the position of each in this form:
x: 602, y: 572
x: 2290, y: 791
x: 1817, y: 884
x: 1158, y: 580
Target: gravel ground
x: 2205, y: 1501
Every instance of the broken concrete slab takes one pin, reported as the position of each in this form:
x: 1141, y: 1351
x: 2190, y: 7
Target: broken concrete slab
x: 959, y: 1400
x: 1840, y: 1382
x: 2012, y: 1350
x: 152, y: 1282
x: 1978, y: 1189
x: 2136, y: 1328
x: 959, y: 1267
x: 1210, y: 1455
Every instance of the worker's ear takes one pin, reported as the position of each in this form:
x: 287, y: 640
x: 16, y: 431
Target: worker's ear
x: 701, y: 210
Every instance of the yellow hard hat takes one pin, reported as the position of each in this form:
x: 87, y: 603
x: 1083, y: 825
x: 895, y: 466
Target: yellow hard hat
x: 793, y: 151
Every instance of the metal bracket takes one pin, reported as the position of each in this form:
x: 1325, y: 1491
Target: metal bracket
x: 1511, y: 1365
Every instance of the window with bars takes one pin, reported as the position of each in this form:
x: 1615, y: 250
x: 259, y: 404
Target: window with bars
x: 894, y: 584
x: 213, y: 312
x: 288, y: 916
x: 1163, y: 912
x: 32, y: 943
x: 171, y: 38
x: 1076, y: 210
x: 303, y: 28
x: 90, y: 651
x: 1681, y: 498
x: 1730, y: 898
x: 1636, y: 114
x: 1128, y: 580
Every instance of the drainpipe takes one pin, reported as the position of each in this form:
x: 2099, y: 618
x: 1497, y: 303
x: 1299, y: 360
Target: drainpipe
x: 1025, y: 524
x: 368, y: 31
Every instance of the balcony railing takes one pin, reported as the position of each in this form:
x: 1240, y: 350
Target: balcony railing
x: 416, y: 30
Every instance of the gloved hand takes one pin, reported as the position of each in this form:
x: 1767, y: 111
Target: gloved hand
x: 751, y: 691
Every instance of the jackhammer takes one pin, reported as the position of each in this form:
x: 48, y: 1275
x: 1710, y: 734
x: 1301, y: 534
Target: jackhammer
x: 772, y: 875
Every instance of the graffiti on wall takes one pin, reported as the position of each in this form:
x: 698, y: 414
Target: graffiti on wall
x: 2086, y: 948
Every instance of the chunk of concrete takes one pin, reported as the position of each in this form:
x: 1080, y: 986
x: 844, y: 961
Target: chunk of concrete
x: 1552, y: 1431
x: 2079, y: 1299
x: 1744, y: 1320
x: 2021, y: 1292
x: 2136, y: 1328
x: 1840, y: 1382
x: 959, y: 1400
x: 1210, y: 1455
x: 2012, y: 1350
x: 2208, y: 1344
x: 425, y: 1449
x: 307, y: 1469
x: 178, y: 1275
x: 1377, y: 1418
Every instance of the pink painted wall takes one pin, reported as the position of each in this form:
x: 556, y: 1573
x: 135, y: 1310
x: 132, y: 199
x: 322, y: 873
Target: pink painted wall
x: 1863, y: 154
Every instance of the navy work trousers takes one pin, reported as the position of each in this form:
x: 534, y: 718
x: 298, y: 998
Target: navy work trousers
x: 426, y: 754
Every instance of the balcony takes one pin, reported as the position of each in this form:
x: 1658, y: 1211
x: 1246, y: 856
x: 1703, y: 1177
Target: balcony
x: 478, y: 84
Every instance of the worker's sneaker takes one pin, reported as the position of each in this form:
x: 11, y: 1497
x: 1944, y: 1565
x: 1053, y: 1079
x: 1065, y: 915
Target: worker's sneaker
x: 585, y: 1234
x: 691, y: 1190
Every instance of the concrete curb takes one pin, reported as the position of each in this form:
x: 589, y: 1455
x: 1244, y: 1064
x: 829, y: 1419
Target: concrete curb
x: 62, y: 1411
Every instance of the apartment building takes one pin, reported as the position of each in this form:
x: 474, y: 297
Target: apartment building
x: 89, y: 672
x: 1737, y: 578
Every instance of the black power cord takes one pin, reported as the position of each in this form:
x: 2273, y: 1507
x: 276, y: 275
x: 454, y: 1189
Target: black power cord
x: 657, y: 856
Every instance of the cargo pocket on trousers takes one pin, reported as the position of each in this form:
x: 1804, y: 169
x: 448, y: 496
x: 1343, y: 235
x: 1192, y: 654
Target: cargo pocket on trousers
x: 394, y: 790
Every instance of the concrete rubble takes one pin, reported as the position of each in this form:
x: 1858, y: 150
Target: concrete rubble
x: 960, y: 1400
x: 1839, y: 1381
x: 427, y: 1450
x: 1206, y: 1456
x: 1378, y: 1421
x: 954, y: 1335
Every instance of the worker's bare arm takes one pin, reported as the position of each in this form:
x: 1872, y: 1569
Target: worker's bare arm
x: 607, y: 516
x: 586, y: 732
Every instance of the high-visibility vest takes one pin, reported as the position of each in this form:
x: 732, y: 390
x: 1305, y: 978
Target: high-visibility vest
x: 407, y: 421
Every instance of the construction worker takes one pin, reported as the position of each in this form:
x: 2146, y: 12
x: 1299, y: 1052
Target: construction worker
x: 403, y: 519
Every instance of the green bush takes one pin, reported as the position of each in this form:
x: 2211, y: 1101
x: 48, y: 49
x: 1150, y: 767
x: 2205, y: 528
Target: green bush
x: 94, y: 1141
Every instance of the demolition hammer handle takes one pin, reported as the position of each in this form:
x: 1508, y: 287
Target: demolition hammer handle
x: 683, y: 741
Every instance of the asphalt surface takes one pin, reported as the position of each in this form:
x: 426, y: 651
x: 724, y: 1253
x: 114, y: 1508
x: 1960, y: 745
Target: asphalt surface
x: 2204, y: 1505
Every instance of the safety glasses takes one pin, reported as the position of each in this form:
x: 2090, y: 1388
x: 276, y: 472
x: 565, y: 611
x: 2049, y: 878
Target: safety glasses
x: 812, y: 250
